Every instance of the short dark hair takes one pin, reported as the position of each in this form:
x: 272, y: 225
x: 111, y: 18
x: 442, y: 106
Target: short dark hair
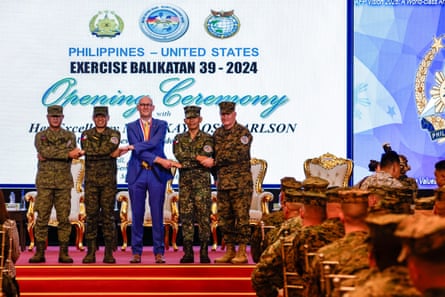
x: 440, y: 165
x: 389, y: 158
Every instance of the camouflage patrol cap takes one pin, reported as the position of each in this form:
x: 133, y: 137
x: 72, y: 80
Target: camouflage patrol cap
x: 293, y: 195
x: 396, y: 201
x: 314, y: 198
x: 354, y: 196
x: 422, y: 236
x: 425, y: 203
x: 55, y: 110
x: 226, y: 107
x: 100, y: 110
x: 289, y: 182
x: 332, y: 194
x: 378, y: 190
x: 315, y: 184
x: 192, y: 111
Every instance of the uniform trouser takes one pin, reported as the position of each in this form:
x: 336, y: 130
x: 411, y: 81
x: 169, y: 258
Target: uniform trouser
x: 61, y: 200
x: 194, y: 206
x: 99, y: 203
x: 147, y: 181
x: 233, y: 215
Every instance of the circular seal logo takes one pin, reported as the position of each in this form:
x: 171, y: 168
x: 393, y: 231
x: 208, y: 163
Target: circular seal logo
x: 222, y: 24
x: 431, y: 111
x: 164, y: 23
x: 106, y: 24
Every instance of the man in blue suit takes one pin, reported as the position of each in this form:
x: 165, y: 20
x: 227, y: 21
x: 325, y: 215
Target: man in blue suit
x: 148, y: 170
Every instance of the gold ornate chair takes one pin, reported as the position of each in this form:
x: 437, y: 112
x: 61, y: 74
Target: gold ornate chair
x: 260, y: 199
x: 336, y: 170
x: 77, y: 214
x: 171, y: 214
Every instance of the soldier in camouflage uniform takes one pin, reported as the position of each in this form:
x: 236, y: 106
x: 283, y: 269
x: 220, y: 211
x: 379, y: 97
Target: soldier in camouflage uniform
x: 267, y: 231
x: 234, y: 183
x: 100, y: 146
x: 56, y: 147
x: 318, y: 232
x: 387, y: 276
x: 351, y: 251
x: 423, y: 247
x: 267, y: 276
x: 387, y: 175
x: 194, y: 150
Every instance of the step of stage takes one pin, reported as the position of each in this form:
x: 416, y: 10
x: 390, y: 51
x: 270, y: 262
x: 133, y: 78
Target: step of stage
x: 135, y: 280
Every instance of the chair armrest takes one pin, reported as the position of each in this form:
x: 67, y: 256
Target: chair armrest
x: 82, y: 210
x: 173, y: 200
x: 123, y: 212
x: 30, y: 197
x: 265, y: 198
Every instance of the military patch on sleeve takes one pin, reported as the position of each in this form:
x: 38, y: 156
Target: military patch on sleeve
x: 114, y: 140
x: 244, y: 139
x: 208, y: 148
x: 84, y: 137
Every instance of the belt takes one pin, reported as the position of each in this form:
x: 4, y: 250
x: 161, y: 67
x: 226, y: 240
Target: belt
x: 145, y: 165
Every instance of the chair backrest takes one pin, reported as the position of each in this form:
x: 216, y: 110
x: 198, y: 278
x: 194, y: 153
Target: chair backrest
x: 336, y: 170
x: 258, y: 168
x: 78, y: 173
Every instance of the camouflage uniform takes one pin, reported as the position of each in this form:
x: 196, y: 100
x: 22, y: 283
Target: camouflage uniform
x: 351, y: 252
x: 380, y: 179
x: 257, y: 244
x: 54, y: 182
x: 267, y: 276
x: 194, y: 183
x: 315, y: 237
x: 392, y: 281
x: 235, y: 185
x: 100, y: 182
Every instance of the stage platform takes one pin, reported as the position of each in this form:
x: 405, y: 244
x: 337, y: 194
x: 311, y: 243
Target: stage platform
x: 125, y: 279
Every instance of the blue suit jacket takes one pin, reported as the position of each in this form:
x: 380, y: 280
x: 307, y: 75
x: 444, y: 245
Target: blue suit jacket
x: 147, y: 150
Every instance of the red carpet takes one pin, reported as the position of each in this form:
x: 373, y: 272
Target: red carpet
x: 124, y: 279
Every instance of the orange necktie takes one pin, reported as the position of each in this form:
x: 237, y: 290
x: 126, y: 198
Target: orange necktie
x: 146, y: 131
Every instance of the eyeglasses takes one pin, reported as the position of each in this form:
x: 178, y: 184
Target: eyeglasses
x: 145, y: 104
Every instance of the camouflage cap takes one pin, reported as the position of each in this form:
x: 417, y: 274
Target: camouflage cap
x: 100, y: 110
x: 315, y: 184
x: 425, y: 203
x: 332, y: 194
x: 192, y: 111
x: 422, y: 235
x: 226, y: 107
x: 55, y: 110
x: 314, y: 198
x: 290, y: 182
x: 395, y: 201
x: 293, y: 195
x: 354, y: 196
x: 378, y: 190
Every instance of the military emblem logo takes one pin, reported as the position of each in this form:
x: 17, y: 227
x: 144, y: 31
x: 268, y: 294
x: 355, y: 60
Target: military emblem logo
x: 431, y: 111
x: 164, y: 23
x: 222, y: 24
x: 106, y: 24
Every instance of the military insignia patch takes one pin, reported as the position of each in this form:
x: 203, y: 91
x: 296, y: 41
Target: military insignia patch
x: 244, y: 140
x: 222, y: 24
x: 208, y: 149
x: 164, y: 23
x: 431, y: 111
x: 106, y: 24
x: 114, y: 140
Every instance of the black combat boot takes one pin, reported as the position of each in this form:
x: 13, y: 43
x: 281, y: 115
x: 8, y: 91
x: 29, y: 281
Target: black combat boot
x: 188, y: 253
x: 204, y: 253
x: 39, y: 256
x: 63, y: 253
x: 108, y: 256
x: 91, y: 255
